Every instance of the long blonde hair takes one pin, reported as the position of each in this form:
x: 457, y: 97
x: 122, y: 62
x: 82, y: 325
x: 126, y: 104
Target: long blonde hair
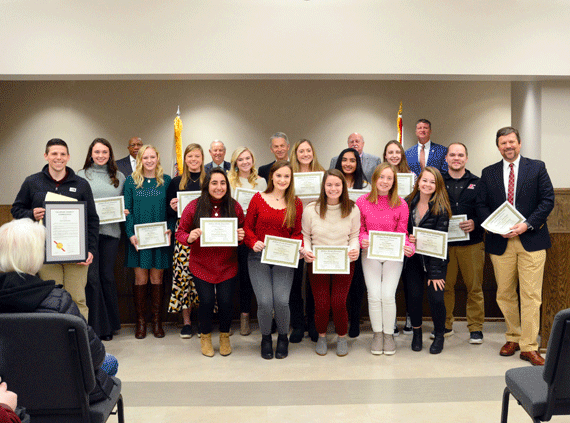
x: 393, y: 198
x: 138, y: 176
x: 233, y: 174
x: 315, y: 166
x: 290, y: 199
x: 186, y: 172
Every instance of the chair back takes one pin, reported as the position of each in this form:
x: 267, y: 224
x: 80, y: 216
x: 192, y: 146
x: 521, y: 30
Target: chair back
x: 557, y: 363
x: 45, y: 358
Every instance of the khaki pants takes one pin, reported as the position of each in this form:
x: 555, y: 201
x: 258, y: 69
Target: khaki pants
x: 470, y: 259
x: 516, y: 266
x: 73, y: 277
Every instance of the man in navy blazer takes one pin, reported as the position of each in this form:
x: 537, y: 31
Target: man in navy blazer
x: 434, y: 153
x: 369, y: 161
x: 127, y: 164
x: 218, y: 153
x: 518, y: 257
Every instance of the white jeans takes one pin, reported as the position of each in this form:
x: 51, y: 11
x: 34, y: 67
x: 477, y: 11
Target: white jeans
x: 381, y: 279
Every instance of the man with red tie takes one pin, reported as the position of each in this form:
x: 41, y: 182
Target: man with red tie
x: 518, y: 257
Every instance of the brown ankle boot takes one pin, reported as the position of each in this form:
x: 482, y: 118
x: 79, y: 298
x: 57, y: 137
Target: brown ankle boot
x: 206, y: 344
x: 225, y: 346
x: 157, y: 293
x: 139, y: 296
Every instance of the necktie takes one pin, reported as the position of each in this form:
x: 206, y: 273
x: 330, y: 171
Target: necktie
x: 511, y: 192
x: 423, y: 157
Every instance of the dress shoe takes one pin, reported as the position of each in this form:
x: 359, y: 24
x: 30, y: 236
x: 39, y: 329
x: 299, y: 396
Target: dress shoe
x: 509, y: 349
x: 533, y: 357
x: 266, y: 347
x: 282, y: 348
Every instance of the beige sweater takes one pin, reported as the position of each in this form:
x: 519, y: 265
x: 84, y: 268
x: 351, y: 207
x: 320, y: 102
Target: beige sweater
x: 332, y: 230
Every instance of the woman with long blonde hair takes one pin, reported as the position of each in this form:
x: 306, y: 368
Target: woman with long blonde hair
x: 276, y: 211
x: 430, y: 209
x: 382, y: 210
x: 145, y: 199
x: 184, y: 294
x: 244, y: 174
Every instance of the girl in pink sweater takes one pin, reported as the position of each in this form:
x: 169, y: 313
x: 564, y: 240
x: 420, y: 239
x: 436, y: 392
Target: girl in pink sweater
x: 383, y: 210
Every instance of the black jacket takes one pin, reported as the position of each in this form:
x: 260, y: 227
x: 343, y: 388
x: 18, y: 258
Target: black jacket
x: 434, y: 267
x: 33, y: 193
x: 465, y: 204
x: 27, y: 293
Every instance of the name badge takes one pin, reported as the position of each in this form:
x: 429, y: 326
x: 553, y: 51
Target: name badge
x: 72, y: 189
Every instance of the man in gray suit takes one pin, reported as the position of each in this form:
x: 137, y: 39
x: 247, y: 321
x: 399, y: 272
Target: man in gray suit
x: 128, y: 164
x: 218, y: 153
x: 369, y: 162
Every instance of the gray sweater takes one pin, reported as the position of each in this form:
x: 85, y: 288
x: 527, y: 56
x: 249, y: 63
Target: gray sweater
x: 102, y: 187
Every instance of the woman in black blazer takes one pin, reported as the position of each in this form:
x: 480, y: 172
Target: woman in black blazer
x: 429, y: 209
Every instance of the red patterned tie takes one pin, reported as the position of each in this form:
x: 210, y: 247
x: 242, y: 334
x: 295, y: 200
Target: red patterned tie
x: 511, y: 193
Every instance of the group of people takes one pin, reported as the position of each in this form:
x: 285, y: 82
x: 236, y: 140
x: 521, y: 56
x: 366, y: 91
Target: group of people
x: 208, y: 276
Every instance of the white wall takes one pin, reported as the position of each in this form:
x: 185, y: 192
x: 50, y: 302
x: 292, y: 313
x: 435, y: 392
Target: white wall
x: 80, y: 39
x: 241, y: 113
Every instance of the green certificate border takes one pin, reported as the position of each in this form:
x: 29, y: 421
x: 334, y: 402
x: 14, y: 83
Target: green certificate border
x: 233, y: 231
x: 180, y: 194
x: 166, y: 242
x: 372, y: 235
x: 409, y: 184
x: 317, y: 187
x: 442, y: 254
x: 121, y: 201
x: 346, y: 265
x: 267, y: 242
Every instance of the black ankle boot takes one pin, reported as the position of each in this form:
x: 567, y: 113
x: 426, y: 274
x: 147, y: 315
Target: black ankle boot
x: 437, y: 345
x: 282, y: 349
x: 417, y: 342
x: 266, y: 347
x: 297, y: 335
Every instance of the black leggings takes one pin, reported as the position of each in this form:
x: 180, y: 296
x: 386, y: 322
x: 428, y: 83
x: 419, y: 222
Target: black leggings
x: 416, y: 277
x: 208, y: 292
x: 245, y: 289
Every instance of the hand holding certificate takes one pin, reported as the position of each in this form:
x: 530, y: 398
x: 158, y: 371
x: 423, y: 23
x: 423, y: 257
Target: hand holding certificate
x: 110, y: 209
x: 151, y: 235
x: 431, y: 243
x: 184, y: 197
x: 219, y: 232
x: 503, y: 219
x: 455, y: 233
x: 386, y: 245
x: 331, y: 260
x: 281, y: 251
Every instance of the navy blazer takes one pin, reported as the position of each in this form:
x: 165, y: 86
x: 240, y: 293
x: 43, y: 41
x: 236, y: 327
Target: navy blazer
x: 124, y: 165
x: 208, y: 167
x: 263, y: 171
x: 534, y: 200
x: 436, y: 158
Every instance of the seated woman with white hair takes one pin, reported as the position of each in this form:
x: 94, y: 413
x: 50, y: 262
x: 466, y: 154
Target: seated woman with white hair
x: 22, y: 246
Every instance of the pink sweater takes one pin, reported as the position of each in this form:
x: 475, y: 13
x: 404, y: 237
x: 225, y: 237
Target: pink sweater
x: 382, y: 217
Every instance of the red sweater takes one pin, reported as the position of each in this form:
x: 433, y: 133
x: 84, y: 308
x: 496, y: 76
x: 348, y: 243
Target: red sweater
x: 7, y: 415
x: 262, y: 219
x: 211, y: 264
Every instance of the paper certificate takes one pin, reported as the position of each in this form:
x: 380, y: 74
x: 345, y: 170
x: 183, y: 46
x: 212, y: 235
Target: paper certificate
x: 308, y: 184
x: 455, y: 233
x: 501, y: 220
x: 219, y: 232
x: 110, y: 209
x: 431, y: 243
x: 386, y: 245
x: 243, y: 196
x: 152, y: 235
x: 184, y: 197
x: 66, y: 232
x: 281, y: 251
x: 405, y: 184
x: 331, y: 260
x: 355, y: 194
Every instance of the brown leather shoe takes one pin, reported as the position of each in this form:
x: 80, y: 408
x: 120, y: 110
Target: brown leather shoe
x: 533, y: 357
x: 509, y: 349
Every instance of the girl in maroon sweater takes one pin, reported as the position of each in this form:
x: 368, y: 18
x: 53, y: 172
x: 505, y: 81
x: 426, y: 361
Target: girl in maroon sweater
x: 214, y: 268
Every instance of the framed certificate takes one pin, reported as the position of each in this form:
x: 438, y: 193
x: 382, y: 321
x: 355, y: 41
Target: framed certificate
x: 184, y: 197
x: 281, y: 251
x: 355, y: 194
x: 308, y: 184
x: 455, y: 233
x: 218, y: 232
x: 110, y: 209
x: 243, y: 196
x: 501, y: 220
x: 152, y: 235
x: 386, y: 245
x: 331, y: 260
x: 431, y: 243
x: 66, y: 232
x: 405, y: 183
